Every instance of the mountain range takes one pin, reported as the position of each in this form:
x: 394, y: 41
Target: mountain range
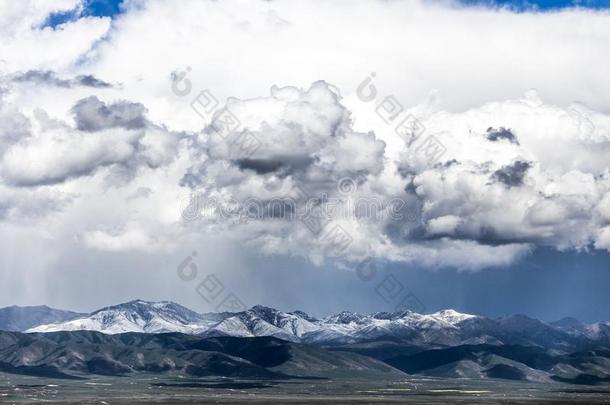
x: 443, y: 328
x: 262, y: 342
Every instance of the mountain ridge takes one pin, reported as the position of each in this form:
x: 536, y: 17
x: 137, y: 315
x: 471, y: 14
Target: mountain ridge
x: 442, y: 328
x: 80, y: 354
x: 85, y: 354
x: 164, y: 337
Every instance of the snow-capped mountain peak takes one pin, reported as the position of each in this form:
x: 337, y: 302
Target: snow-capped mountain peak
x: 135, y: 316
x: 139, y: 310
x: 451, y: 316
x: 344, y: 317
x: 346, y: 326
x: 264, y: 321
x: 447, y: 327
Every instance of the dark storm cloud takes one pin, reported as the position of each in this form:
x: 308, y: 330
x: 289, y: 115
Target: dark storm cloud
x: 91, y: 81
x: 41, y: 77
x: 50, y: 78
x: 488, y: 235
x: 447, y: 164
x: 498, y: 134
x: 512, y: 175
x: 92, y: 115
x: 260, y: 166
x: 192, y: 178
x: 284, y: 165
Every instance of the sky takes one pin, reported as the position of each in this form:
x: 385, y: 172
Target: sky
x: 541, y: 5
x: 322, y: 156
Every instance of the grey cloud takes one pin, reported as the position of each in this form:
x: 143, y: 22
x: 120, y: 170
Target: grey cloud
x: 41, y: 77
x: 282, y: 165
x: 50, y: 78
x: 63, y: 153
x: 5, y: 208
x: 141, y: 192
x: 446, y: 164
x: 307, y: 145
x: 260, y: 166
x: 14, y: 126
x: 498, y: 134
x: 306, y: 136
x: 278, y: 208
x: 92, y: 115
x: 487, y: 235
x: 467, y: 209
x: 28, y: 204
x: 91, y: 81
x: 512, y: 175
x: 193, y: 178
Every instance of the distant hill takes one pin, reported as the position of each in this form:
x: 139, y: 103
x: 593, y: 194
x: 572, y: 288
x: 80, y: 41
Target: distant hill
x: 81, y: 354
x: 16, y: 318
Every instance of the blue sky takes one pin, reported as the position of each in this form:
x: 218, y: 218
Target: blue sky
x: 111, y: 8
x: 547, y: 285
x: 95, y: 8
x: 542, y: 4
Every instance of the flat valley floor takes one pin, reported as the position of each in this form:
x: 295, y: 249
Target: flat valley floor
x: 153, y: 389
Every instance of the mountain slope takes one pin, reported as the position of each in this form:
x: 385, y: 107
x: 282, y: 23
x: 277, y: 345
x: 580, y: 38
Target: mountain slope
x: 82, y: 353
x: 137, y: 316
x: 264, y: 321
x: 18, y: 319
x: 513, y: 362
